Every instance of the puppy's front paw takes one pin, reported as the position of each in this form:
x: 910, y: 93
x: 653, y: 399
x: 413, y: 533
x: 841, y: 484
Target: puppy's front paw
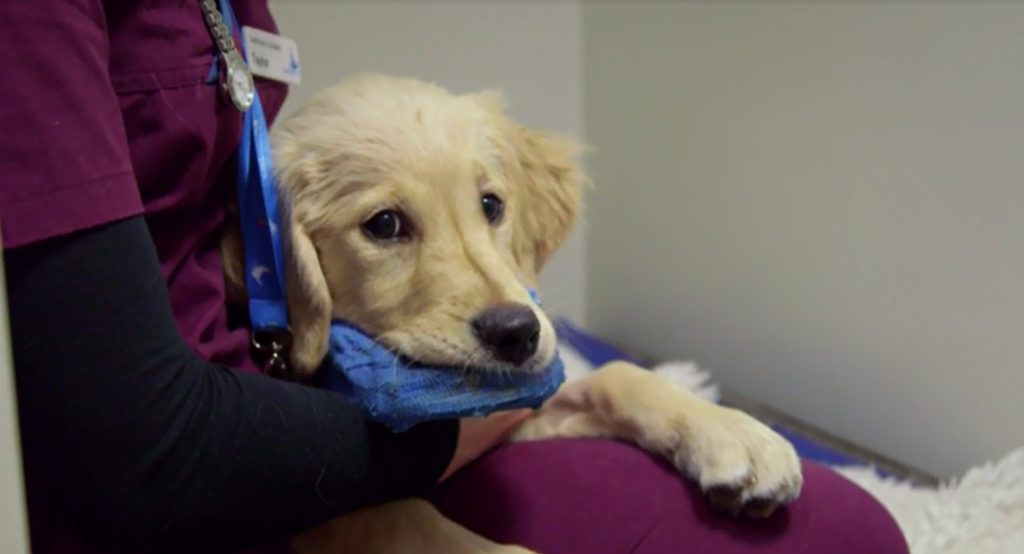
x: 742, y: 465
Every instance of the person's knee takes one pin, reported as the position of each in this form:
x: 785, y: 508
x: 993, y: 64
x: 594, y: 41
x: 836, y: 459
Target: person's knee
x: 842, y: 516
x: 603, y: 496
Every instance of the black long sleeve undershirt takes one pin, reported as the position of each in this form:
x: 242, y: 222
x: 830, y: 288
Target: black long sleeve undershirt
x: 148, y: 444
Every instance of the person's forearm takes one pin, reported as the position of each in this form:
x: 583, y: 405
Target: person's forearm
x: 148, y: 443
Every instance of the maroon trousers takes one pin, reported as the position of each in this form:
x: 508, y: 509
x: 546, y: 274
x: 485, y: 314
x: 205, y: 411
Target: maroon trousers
x: 603, y: 497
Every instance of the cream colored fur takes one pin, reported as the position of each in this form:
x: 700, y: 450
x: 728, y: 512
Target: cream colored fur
x: 378, y: 142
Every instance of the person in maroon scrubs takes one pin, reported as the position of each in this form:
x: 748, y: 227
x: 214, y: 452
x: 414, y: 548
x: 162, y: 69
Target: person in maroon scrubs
x: 147, y: 427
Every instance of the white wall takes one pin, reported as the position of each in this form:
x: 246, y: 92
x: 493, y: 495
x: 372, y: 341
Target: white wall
x: 823, y: 202
x: 13, y: 521
x: 530, y: 50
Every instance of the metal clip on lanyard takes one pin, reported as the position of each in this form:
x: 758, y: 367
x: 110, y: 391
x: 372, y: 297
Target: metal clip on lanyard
x: 257, y: 197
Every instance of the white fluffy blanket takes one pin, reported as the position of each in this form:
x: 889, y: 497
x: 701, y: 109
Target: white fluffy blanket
x: 981, y: 512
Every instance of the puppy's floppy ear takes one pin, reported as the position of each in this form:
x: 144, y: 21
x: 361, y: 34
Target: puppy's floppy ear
x: 309, y: 300
x: 552, y: 190
x: 299, y: 170
x: 542, y: 168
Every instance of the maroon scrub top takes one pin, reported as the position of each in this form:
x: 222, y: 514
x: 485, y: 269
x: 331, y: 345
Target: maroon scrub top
x: 106, y: 112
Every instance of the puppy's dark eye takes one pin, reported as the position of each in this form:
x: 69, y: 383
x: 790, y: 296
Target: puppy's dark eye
x: 493, y: 207
x: 386, y: 225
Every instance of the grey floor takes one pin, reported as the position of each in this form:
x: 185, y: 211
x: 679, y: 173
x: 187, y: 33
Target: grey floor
x: 773, y: 416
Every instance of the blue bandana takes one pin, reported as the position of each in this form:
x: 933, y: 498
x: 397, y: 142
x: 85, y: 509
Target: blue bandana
x: 400, y: 393
x: 388, y: 389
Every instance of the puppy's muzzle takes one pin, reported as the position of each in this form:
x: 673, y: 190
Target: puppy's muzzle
x: 510, y: 331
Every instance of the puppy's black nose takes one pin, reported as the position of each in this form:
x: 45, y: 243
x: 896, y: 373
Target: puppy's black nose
x: 510, y: 331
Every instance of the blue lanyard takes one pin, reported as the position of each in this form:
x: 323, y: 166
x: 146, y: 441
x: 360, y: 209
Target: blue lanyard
x: 259, y: 213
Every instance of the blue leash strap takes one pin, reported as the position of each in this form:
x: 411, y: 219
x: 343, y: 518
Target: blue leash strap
x: 259, y: 213
x: 261, y: 225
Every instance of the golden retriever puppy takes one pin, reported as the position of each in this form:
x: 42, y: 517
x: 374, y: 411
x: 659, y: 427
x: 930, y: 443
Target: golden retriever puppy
x: 422, y: 216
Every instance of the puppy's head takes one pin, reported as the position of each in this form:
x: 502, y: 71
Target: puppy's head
x: 422, y: 217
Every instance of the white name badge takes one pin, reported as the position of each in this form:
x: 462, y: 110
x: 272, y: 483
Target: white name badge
x: 272, y: 56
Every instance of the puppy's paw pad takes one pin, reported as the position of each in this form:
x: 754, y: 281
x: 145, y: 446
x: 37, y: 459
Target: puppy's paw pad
x: 759, y: 508
x: 727, y: 498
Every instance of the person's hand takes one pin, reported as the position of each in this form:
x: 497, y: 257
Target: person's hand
x: 477, y: 435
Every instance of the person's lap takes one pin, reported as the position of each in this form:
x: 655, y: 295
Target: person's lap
x: 598, y: 496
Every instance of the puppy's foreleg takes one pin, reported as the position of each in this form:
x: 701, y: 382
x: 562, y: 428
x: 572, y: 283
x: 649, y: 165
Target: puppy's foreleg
x: 739, y: 462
